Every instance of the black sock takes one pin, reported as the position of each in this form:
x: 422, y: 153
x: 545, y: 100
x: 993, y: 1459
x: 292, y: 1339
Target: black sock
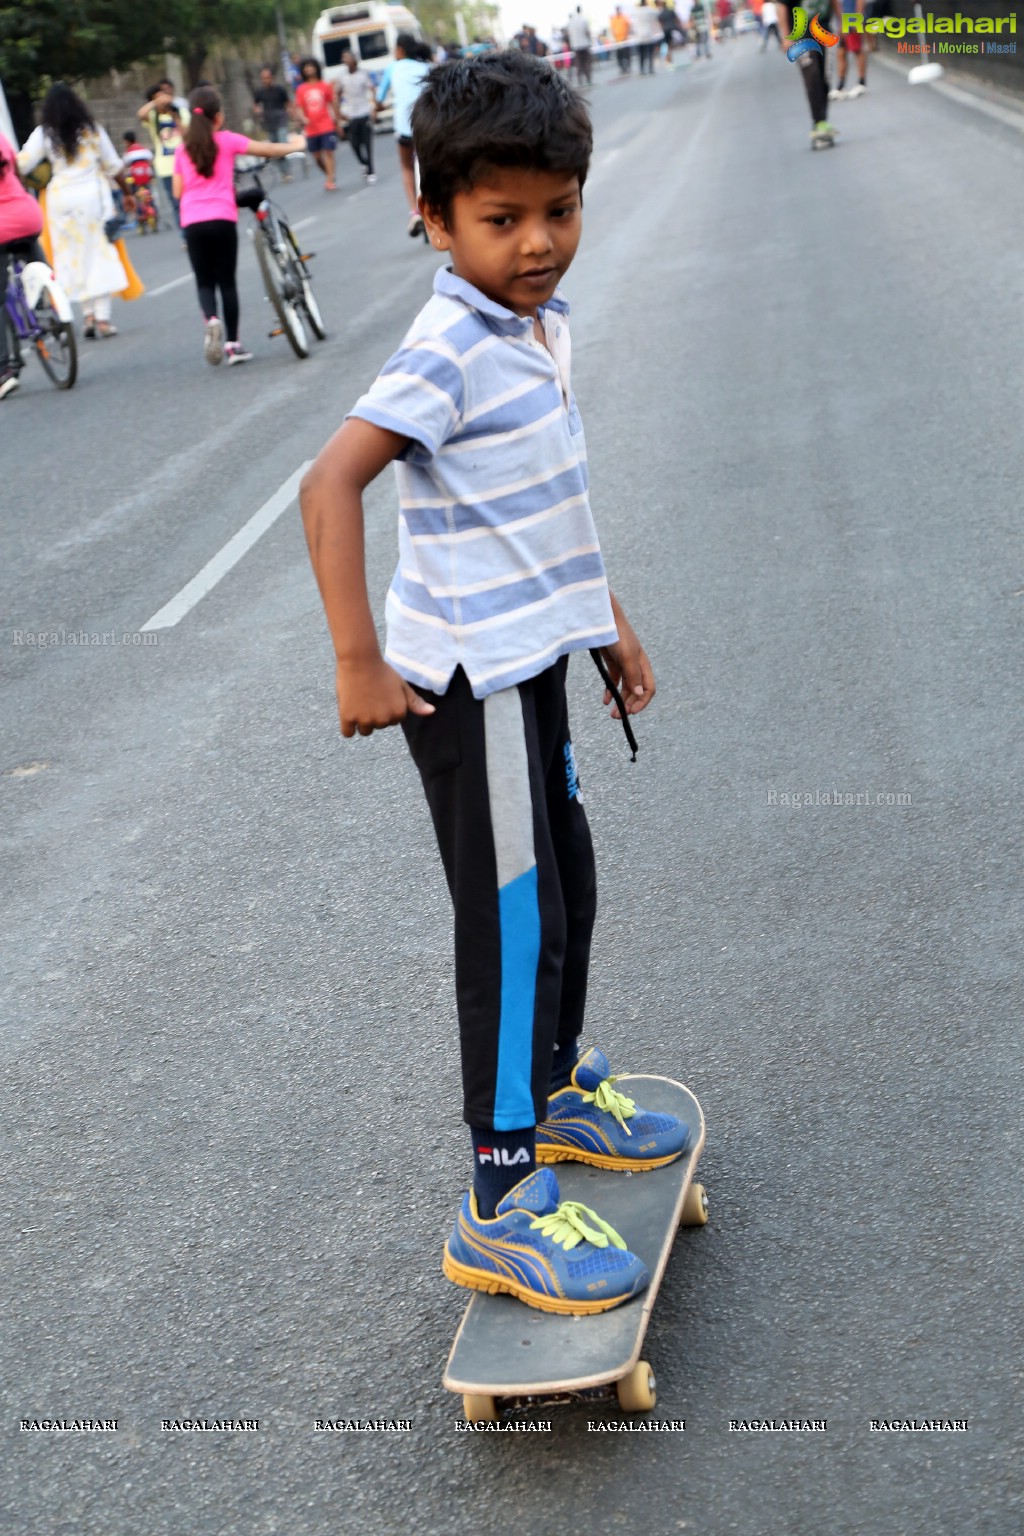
x: 500, y: 1160
x: 565, y: 1058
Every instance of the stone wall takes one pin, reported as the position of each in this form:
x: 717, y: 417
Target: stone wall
x: 234, y: 70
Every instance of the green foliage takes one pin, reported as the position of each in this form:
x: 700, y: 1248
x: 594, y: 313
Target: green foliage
x: 44, y: 40
x: 437, y: 18
x: 191, y: 27
x: 72, y: 39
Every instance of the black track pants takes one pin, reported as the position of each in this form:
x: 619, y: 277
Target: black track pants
x: 359, y: 132
x: 500, y: 780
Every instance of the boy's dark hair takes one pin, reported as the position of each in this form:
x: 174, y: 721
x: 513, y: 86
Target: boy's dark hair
x: 499, y: 109
x: 316, y: 65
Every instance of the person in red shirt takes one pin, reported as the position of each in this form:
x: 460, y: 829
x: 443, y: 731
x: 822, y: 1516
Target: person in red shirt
x: 315, y: 101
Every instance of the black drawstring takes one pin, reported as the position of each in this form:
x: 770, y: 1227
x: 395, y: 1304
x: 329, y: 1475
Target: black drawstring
x: 617, y: 696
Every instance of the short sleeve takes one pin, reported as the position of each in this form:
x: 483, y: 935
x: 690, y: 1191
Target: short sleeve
x: 419, y: 394
x: 234, y: 143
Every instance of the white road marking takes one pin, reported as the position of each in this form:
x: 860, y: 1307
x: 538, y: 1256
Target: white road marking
x: 154, y: 293
x: 1013, y: 118
x: 228, y: 557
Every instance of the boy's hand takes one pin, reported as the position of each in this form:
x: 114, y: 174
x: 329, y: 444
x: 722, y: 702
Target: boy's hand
x: 372, y: 696
x: 629, y: 667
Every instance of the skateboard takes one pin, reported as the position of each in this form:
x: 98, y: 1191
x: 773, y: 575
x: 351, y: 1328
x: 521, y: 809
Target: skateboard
x: 507, y: 1350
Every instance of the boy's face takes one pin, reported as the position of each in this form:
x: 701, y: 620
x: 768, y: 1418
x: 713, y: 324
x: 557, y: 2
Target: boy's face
x: 514, y: 235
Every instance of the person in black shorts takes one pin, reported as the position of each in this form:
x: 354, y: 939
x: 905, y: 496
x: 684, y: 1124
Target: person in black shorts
x: 315, y: 101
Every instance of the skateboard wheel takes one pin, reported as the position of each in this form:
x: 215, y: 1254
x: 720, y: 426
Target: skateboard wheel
x: 637, y: 1392
x: 477, y: 1407
x: 695, y: 1207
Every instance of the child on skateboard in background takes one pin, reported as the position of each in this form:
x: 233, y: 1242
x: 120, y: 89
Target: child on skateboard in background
x: 500, y: 577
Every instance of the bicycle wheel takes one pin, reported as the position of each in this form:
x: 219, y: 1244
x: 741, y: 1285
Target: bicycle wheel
x: 284, y: 292
x: 309, y: 303
x: 54, y: 342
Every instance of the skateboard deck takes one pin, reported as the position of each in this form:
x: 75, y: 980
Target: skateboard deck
x: 506, y: 1349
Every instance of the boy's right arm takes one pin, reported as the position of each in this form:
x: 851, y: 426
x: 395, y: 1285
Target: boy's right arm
x: 371, y: 694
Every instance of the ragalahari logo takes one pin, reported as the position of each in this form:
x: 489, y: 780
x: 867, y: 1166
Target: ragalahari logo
x: 819, y: 40
x: 984, y: 34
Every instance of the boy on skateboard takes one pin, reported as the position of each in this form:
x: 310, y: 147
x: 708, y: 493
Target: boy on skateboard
x: 812, y: 70
x: 500, y: 577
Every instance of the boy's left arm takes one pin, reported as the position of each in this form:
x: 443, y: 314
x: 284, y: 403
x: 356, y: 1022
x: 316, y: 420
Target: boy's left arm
x: 628, y: 666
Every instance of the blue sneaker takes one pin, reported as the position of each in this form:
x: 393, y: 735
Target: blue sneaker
x: 558, y: 1256
x: 592, y: 1122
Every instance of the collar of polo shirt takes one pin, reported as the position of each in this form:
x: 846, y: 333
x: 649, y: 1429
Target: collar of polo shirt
x: 454, y: 287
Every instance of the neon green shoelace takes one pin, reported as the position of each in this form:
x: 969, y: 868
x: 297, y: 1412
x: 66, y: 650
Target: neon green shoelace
x: 613, y: 1102
x: 570, y: 1224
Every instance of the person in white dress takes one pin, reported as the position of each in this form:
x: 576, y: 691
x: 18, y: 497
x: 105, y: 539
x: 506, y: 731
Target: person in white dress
x: 79, y: 201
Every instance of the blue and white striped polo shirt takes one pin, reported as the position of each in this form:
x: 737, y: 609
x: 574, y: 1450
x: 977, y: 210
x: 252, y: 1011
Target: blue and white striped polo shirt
x: 500, y: 569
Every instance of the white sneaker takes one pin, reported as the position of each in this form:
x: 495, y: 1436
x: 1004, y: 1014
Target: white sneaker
x: 835, y: 94
x: 370, y: 178
x: 415, y: 225
x: 857, y: 90
x: 213, y: 340
x: 234, y: 353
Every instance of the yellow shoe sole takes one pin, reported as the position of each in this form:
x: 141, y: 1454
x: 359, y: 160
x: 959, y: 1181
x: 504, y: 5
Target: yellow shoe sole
x: 495, y: 1285
x: 604, y: 1160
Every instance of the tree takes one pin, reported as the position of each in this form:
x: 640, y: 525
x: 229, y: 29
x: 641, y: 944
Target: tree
x: 82, y: 39
x: 71, y: 39
x: 191, y: 27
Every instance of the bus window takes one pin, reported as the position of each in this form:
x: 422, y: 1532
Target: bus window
x: 334, y: 47
x: 373, y: 45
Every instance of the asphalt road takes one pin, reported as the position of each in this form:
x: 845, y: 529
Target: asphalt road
x: 230, y: 1134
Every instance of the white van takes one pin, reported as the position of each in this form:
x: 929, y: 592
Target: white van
x: 369, y: 30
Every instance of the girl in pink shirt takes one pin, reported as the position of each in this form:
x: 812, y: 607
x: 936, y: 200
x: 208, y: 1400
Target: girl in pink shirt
x: 204, y: 181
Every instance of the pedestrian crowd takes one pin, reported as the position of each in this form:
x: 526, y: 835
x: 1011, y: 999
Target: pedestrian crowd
x: 181, y: 158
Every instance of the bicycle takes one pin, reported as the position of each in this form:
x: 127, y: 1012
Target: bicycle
x: 283, y: 266
x: 38, y: 312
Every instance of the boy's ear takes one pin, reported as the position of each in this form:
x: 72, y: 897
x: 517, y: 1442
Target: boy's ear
x: 437, y: 229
